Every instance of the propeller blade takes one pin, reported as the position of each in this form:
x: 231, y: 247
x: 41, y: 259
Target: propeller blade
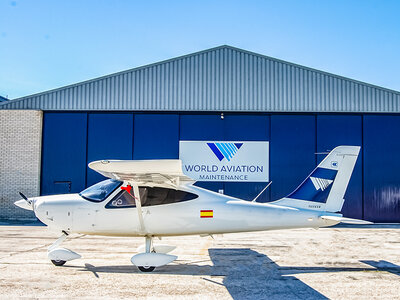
x: 25, y: 198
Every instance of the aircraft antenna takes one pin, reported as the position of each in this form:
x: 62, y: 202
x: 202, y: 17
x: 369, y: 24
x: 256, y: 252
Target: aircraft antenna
x: 254, y: 200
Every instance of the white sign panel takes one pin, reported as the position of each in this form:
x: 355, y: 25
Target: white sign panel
x: 225, y: 161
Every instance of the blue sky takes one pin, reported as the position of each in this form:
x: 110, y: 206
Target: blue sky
x: 49, y: 44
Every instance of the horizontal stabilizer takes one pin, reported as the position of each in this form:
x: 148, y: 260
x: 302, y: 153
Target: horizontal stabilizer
x: 345, y: 220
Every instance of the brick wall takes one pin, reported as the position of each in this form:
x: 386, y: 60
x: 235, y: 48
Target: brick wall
x: 20, y: 152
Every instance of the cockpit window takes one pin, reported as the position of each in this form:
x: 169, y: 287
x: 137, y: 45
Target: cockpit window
x: 100, y: 191
x: 158, y: 196
x: 149, y: 197
x: 122, y: 200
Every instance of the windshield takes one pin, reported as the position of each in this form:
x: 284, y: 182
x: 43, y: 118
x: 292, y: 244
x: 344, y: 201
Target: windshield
x: 101, y: 190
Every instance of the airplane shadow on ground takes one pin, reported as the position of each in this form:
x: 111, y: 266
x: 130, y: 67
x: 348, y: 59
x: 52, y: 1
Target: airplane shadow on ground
x: 246, y: 274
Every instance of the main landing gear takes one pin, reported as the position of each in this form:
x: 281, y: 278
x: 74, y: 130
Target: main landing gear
x: 146, y: 269
x: 155, y: 256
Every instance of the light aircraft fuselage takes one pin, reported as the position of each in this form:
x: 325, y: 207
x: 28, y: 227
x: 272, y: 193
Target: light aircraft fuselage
x: 74, y: 214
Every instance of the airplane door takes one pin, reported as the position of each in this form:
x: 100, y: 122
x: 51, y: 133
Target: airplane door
x: 119, y: 215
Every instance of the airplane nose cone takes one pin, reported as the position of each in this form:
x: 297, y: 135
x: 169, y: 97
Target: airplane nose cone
x: 23, y: 204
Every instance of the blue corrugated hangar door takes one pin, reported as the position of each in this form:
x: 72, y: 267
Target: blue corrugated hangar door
x: 246, y: 128
x: 109, y: 137
x: 156, y: 136
x: 208, y: 127
x: 63, y: 153
x: 336, y: 130
x: 292, y: 150
x: 381, y: 168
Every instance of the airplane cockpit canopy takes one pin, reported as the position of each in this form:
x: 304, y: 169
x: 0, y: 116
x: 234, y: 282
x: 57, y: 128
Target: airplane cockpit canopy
x: 100, y: 191
x: 149, y: 196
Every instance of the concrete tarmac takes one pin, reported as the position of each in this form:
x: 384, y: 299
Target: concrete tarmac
x: 334, y: 263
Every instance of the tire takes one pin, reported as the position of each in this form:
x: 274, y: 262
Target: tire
x: 58, y: 263
x: 146, y: 269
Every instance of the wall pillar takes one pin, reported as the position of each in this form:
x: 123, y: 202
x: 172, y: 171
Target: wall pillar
x: 20, y: 154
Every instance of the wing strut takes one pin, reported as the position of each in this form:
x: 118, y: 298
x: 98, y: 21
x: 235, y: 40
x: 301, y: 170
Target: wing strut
x: 138, y: 206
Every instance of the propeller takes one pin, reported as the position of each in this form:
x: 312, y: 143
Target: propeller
x: 25, y: 198
x: 25, y: 203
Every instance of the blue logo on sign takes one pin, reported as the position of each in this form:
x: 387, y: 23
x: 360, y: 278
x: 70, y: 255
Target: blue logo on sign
x: 224, y: 150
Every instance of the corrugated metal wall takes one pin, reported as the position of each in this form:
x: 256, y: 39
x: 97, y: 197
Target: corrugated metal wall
x: 219, y: 79
x: 373, y: 191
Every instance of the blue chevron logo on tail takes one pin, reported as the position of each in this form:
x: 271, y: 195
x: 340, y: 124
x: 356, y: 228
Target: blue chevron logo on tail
x: 224, y: 150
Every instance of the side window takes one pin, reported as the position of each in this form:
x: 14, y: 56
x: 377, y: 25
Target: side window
x: 149, y: 197
x: 158, y: 196
x: 122, y: 200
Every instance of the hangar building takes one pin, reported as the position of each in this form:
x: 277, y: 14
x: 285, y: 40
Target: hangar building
x: 220, y: 94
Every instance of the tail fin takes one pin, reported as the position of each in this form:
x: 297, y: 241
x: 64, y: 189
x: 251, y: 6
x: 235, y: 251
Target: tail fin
x: 325, y: 187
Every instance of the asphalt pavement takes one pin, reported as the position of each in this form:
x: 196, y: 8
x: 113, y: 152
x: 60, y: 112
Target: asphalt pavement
x: 334, y: 263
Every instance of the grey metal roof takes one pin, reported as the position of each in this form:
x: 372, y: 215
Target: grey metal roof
x: 219, y: 79
x: 3, y: 99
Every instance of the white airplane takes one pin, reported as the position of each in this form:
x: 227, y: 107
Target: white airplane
x: 153, y: 198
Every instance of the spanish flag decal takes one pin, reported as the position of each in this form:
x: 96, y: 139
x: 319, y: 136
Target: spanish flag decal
x: 206, y: 213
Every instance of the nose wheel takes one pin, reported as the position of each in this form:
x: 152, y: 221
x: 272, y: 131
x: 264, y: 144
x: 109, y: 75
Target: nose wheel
x: 58, y: 263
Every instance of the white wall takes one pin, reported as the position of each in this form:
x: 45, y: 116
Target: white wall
x: 20, y: 153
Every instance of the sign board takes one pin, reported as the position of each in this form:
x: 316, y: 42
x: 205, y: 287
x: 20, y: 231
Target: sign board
x: 225, y: 161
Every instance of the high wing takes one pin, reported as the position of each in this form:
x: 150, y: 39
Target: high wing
x: 162, y: 172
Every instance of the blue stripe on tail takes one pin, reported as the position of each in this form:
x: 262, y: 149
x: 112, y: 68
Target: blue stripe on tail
x: 316, y: 187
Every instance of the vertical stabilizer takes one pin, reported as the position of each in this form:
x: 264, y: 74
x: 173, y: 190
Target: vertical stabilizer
x: 325, y: 187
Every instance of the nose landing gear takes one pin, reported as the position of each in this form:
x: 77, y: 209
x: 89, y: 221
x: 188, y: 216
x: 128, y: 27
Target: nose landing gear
x: 59, y: 256
x: 58, y: 263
